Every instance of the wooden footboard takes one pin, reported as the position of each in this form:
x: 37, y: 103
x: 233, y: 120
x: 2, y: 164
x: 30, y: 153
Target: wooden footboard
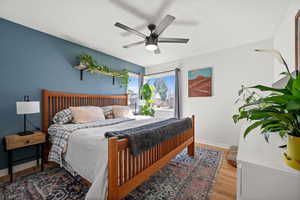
x: 126, y: 172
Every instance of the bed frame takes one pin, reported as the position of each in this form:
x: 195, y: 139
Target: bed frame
x: 125, y: 171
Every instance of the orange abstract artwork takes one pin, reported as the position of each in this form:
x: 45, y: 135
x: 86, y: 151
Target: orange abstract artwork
x: 200, y: 82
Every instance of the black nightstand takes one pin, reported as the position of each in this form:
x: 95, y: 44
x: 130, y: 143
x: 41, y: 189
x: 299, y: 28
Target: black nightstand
x: 13, y: 142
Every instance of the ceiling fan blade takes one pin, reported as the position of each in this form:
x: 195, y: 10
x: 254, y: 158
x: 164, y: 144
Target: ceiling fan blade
x: 164, y: 24
x: 138, y: 28
x: 126, y: 28
x: 134, y: 44
x: 176, y: 23
x: 157, y: 51
x: 131, y: 9
x: 173, y: 40
x: 159, y: 13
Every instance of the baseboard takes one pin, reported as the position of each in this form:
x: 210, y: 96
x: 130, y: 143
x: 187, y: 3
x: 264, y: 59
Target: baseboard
x: 17, y: 168
x: 224, y: 146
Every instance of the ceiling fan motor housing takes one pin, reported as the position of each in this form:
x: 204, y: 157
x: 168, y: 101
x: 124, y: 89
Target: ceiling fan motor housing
x: 151, y: 27
x: 152, y: 39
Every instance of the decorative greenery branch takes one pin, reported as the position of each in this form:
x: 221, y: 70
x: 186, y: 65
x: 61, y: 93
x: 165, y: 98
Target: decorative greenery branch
x: 92, y: 66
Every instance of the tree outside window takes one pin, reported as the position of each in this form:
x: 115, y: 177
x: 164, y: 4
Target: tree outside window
x: 164, y: 98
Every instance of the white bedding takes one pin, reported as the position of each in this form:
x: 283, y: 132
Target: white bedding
x: 87, y: 154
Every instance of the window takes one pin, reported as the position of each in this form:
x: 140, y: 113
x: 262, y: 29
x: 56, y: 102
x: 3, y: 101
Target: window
x: 133, y: 92
x: 164, y: 98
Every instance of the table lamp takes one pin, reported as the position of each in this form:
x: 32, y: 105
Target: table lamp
x: 27, y: 107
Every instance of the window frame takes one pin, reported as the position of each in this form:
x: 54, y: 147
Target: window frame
x: 138, y: 76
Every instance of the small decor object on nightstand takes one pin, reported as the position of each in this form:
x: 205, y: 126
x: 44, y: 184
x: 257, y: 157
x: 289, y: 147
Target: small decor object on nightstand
x: 13, y: 142
x: 27, y: 107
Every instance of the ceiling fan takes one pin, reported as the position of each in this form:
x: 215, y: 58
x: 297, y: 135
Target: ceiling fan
x: 151, y: 17
x: 151, y: 41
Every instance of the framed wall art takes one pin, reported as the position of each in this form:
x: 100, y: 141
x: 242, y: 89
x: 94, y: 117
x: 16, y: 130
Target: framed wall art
x: 200, y: 82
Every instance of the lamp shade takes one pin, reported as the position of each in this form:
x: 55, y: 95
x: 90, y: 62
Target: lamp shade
x: 28, y: 107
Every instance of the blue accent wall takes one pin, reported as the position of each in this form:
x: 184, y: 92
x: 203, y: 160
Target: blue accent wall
x: 31, y: 61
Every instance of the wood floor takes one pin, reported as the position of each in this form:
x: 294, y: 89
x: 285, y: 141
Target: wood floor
x: 225, y: 186
x: 25, y: 172
x: 223, y: 189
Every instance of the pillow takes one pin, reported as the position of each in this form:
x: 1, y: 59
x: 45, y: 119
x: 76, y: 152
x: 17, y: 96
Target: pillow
x: 121, y: 111
x: 62, y: 117
x: 108, y: 113
x: 86, y: 114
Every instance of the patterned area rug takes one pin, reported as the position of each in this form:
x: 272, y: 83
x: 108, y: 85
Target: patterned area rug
x: 182, y: 178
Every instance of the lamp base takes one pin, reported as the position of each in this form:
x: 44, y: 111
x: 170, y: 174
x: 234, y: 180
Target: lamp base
x: 25, y: 133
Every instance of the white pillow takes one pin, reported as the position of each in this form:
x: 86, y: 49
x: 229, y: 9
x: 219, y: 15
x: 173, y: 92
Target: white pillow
x: 121, y: 111
x: 87, y: 114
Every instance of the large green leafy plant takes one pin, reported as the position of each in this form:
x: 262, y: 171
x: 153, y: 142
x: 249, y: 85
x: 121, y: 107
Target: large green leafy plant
x: 147, y: 92
x: 93, y: 67
x: 271, y: 109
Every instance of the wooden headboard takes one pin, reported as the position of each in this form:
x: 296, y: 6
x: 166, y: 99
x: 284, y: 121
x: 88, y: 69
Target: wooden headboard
x: 53, y: 102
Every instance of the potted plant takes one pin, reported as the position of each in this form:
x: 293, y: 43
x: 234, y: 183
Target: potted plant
x: 274, y: 111
x: 147, y: 92
x: 86, y: 60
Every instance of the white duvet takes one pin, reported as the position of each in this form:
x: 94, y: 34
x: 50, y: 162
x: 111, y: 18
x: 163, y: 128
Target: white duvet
x: 87, y: 154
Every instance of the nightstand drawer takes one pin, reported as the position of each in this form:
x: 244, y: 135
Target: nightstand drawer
x: 17, y: 141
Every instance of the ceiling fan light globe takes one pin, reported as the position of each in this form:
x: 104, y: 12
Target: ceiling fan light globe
x: 151, y: 47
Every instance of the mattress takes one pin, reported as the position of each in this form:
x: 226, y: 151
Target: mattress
x: 87, y: 153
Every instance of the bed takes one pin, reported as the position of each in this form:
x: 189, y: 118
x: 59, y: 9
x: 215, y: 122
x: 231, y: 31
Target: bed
x: 125, y: 172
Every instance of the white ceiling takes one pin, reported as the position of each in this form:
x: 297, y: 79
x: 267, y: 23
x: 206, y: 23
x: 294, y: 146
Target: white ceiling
x: 210, y: 24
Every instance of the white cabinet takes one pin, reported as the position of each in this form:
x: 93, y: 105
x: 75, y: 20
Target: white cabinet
x: 262, y: 174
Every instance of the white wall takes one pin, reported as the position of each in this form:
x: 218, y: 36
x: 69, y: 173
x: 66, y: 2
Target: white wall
x: 231, y: 68
x: 284, y: 39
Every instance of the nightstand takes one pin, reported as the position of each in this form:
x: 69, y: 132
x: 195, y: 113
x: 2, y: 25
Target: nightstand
x: 13, y: 142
